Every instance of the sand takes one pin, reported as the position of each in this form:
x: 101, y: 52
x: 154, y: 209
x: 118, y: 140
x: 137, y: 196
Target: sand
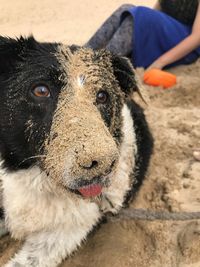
x: 173, y: 181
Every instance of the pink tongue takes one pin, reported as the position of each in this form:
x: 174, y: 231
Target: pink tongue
x: 90, y: 190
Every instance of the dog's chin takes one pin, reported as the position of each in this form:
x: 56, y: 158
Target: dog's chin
x: 88, y: 188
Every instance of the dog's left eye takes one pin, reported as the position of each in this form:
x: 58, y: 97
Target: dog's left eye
x: 102, y: 97
x: 41, y: 91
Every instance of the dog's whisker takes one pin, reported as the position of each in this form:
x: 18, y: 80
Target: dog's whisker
x: 32, y: 157
x: 109, y: 201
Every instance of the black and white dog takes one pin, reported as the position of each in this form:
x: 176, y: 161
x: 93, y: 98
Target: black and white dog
x: 73, y: 145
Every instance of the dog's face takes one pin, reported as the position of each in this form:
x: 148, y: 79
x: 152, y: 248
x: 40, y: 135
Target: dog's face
x: 61, y: 110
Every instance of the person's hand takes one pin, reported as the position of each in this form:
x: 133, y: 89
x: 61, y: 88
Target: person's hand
x: 156, y: 77
x: 157, y: 64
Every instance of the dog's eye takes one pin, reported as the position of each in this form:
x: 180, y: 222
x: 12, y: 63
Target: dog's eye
x: 102, y: 97
x: 41, y: 91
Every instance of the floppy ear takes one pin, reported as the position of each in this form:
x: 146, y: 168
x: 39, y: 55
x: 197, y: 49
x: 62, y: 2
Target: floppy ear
x: 125, y: 74
x: 11, y: 52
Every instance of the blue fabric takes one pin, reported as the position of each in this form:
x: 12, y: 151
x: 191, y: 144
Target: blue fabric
x: 155, y: 33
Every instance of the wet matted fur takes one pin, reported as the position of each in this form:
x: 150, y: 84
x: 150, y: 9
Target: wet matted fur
x: 73, y: 144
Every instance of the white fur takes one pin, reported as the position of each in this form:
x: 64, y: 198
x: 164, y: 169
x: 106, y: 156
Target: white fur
x: 121, y: 183
x: 54, y: 222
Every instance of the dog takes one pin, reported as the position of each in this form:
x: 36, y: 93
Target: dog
x: 74, y: 146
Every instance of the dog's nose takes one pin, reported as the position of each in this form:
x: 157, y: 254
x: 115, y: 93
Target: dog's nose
x: 97, y: 166
x: 90, y: 165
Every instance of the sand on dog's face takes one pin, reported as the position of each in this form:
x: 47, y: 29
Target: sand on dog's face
x: 85, y: 129
x: 174, y: 117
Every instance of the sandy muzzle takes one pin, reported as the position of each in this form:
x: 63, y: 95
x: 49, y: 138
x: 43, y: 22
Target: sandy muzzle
x: 80, y: 146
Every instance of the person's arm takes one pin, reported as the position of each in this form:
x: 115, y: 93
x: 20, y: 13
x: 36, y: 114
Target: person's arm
x: 186, y: 46
x: 157, y: 6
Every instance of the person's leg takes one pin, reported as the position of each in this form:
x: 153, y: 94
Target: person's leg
x: 103, y: 35
x: 121, y: 42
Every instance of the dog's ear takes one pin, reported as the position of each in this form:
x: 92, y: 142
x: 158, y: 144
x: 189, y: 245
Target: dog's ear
x: 125, y: 74
x: 11, y: 51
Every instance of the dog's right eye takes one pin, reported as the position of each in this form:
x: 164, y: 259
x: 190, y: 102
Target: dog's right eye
x: 41, y: 91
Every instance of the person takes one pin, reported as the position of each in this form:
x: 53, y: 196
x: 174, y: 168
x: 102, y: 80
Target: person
x: 167, y: 35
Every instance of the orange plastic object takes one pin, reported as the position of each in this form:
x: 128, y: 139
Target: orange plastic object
x: 156, y: 77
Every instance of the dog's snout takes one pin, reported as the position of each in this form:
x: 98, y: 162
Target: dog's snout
x: 90, y: 165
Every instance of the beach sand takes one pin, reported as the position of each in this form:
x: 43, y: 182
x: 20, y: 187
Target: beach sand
x: 173, y: 180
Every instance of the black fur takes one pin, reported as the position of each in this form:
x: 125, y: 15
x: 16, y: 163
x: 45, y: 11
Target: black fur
x: 1, y: 213
x: 144, y: 141
x: 124, y: 73
x: 23, y: 64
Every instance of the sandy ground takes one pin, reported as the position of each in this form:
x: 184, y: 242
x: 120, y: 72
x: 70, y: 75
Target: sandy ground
x: 173, y: 181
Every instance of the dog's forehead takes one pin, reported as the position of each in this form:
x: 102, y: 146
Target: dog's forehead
x: 85, y: 65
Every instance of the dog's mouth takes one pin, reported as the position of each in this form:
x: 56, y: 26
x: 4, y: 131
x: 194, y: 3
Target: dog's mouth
x: 91, y: 188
